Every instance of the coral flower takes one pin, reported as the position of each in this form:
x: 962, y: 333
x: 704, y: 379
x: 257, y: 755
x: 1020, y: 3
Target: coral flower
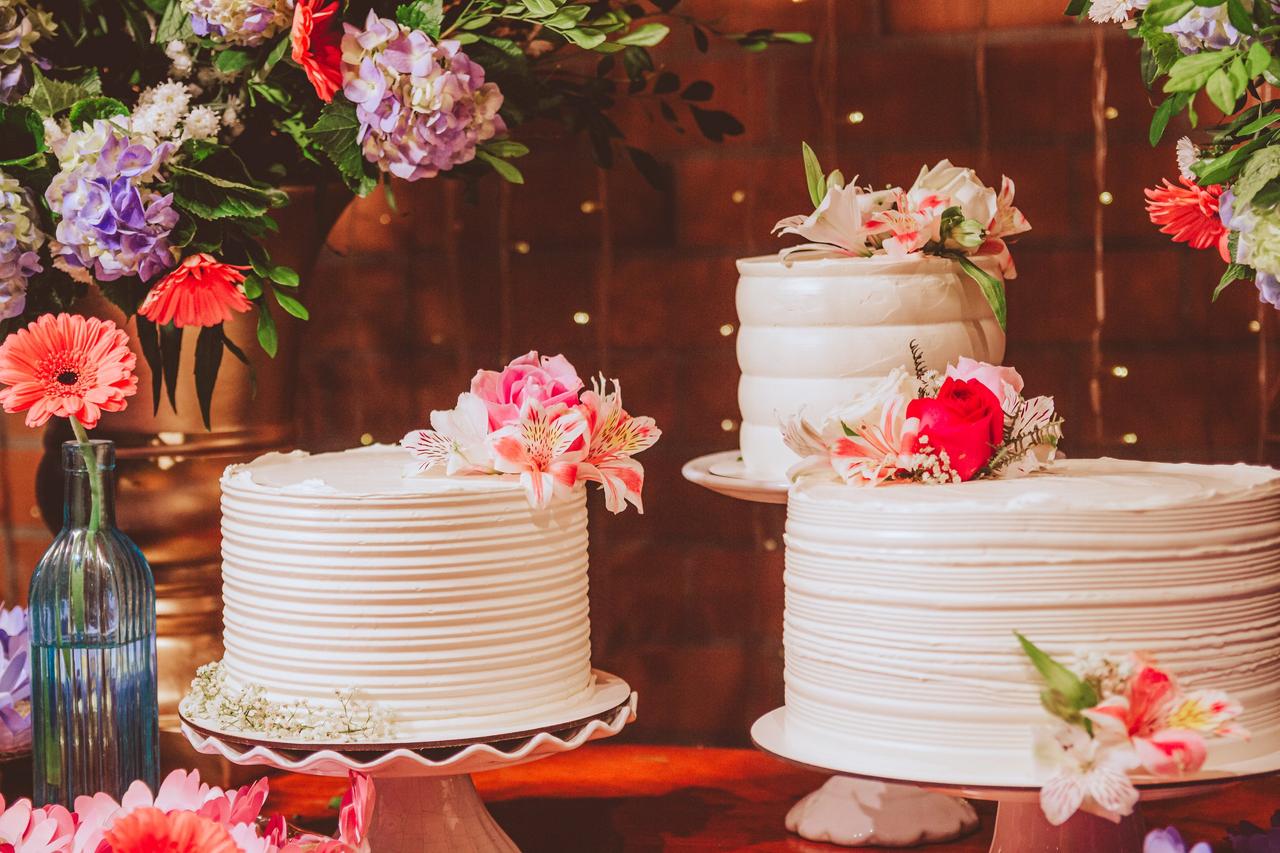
x: 200, y: 291
x: 317, y: 39
x: 66, y: 365
x: 177, y: 832
x: 1189, y: 214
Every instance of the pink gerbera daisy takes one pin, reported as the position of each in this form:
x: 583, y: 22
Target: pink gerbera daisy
x: 200, y: 291
x: 67, y: 366
x: 1189, y: 214
x: 177, y: 832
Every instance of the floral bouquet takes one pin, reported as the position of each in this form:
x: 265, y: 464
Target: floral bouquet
x: 145, y: 143
x: 1228, y: 193
x: 948, y: 212
x: 1117, y: 715
x: 15, y: 681
x: 536, y: 419
x: 184, y: 814
x: 969, y: 422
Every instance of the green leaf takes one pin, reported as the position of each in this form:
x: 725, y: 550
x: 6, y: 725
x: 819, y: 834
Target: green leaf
x: 1065, y: 694
x: 793, y: 38
x: 1192, y: 71
x: 49, y: 97
x: 268, y: 337
x: 1241, y: 20
x: 1233, y: 272
x: 540, y: 8
x: 1076, y: 8
x: 1164, y: 12
x: 232, y: 61
x: 1258, y: 124
x: 273, y: 58
x: 506, y: 148
x: 90, y: 110
x: 813, y: 175
x: 1168, y: 108
x: 1257, y: 59
x: 1221, y: 91
x: 285, y: 276
x: 149, y: 342
x: 424, y: 15
x: 208, y: 361
x: 508, y: 171
x: 1225, y: 167
x: 587, y: 38
x: 252, y: 286
x: 170, y: 358
x: 175, y: 23
x: 291, y: 305
x: 645, y: 35
x: 1262, y: 168
x: 21, y: 136
x: 335, y: 133
x: 208, y: 197
x: 992, y: 288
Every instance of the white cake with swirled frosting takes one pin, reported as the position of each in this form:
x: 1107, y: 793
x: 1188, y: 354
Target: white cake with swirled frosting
x: 902, y: 602
x: 375, y: 605
x: 816, y: 332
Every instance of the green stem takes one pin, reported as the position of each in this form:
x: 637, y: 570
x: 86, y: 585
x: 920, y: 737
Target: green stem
x: 95, y: 522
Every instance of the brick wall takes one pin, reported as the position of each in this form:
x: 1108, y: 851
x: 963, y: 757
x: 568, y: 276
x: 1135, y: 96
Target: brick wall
x: 687, y: 599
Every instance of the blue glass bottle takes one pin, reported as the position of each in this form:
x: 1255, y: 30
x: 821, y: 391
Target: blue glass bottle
x: 93, y: 645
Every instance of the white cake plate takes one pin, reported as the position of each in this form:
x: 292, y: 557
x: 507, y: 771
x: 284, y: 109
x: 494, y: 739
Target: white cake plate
x: 845, y: 811
x: 1020, y: 824
x: 725, y: 474
x: 425, y: 799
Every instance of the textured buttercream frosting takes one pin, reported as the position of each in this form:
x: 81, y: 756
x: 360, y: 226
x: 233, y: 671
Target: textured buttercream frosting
x: 817, y: 332
x: 448, y: 602
x: 902, y: 602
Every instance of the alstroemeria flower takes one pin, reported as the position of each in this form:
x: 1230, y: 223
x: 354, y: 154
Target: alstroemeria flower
x: 914, y: 223
x: 1209, y: 712
x: 1007, y: 222
x: 1085, y: 775
x: 613, y: 437
x: 946, y: 186
x: 846, y: 220
x: 539, y: 447
x: 876, y: 452
x: 457, y: 440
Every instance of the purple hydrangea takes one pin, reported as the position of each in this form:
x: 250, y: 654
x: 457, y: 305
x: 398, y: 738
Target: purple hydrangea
x: 110, y: 222
x: 1204, y: 28
x: 423, y: 107
x: 1169, y: 840
x: 15, y: 680
x: 247, y: 22
x: 1247, y: 838
x: 21, y: 26
x: 20, y: 238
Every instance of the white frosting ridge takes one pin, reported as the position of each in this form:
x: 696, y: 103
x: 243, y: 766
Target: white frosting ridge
x: 817, y: 332
x: 901, y: 601
x: 442, y: 600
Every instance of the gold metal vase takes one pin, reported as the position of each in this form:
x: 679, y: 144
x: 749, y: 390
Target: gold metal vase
x: 169, y: 465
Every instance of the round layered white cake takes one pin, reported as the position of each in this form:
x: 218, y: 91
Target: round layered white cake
x: 902, y: 602
x: 816, y: 332
x: 447, y: 604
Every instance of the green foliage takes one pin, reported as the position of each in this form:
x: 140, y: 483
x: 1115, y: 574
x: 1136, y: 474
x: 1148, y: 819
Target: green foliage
x: 814, y: 177
x: 21, y: 136
x: 425, y: 15
x: 335, y: 134
x: 1065, y: 694
x: 1233, y: 272
x: 1262, y: 168
x: 50, y: 97
x: 209, y: 346
x: 1164, y: 12
x: 992, y: 288
x: 89, y: 110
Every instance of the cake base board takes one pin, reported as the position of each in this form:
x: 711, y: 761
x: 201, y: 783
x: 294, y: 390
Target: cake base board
x: 724, y: 473
x: 606, y: 693
x: 970, y: 777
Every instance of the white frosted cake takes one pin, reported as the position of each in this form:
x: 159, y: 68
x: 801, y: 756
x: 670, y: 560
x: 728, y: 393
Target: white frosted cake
x: 902, y: 601
x: 447, y: 605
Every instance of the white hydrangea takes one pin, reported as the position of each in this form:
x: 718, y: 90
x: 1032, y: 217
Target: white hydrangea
x: 201, y: 123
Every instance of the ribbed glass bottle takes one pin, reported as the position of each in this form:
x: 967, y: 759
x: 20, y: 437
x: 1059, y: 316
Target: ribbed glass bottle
x: 93, y: 646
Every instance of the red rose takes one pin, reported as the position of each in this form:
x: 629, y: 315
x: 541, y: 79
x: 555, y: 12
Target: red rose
x: 965, y: 420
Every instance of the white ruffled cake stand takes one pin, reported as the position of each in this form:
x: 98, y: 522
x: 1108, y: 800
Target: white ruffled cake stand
x: 425, y: 799
x: 1020, y: 824
x: 847, y: 810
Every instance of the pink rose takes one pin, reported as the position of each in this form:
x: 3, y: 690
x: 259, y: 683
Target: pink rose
x: 550, y: 381
x: 999, y: 379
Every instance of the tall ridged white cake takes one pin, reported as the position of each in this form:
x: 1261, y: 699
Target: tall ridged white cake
x: 902, y: 602
x: 818, y: 331
x: 445, y: 606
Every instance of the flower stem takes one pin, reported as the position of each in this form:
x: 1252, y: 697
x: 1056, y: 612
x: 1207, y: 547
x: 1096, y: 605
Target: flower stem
x: 95, y: 521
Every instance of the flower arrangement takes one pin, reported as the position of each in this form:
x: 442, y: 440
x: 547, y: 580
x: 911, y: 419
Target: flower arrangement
x: 1115, y: 716
x: 948, y: 212
x: 1228, y: 193
x: 183, y: 814
x: 536, y: 419
x: 15, y: 681
x: 154, y: 179
x: 1244, y: 838
x: 967, y: 423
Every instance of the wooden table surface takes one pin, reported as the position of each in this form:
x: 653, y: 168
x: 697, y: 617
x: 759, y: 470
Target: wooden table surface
x: 605, y: 798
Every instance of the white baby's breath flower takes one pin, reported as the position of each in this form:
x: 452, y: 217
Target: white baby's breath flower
x: 201, y: 123
x: 179, y: 58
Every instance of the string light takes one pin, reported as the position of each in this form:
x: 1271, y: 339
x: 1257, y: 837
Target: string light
x: 588, y: 206
x: 727, y: 425
x: 770, y: 544
x: 1111, y: 113
x: 1129, y: 438
x: 855, y: 117
x: 1119, y: 371
x: 1255, y: 326
x: 384, y: 219
x: 726, y: 330
x: 738, y: 197
x: 1105, y: 197
x: 582, y: 318
x: 366, y: 439
x: 522, y: 247
x: 437, y: 338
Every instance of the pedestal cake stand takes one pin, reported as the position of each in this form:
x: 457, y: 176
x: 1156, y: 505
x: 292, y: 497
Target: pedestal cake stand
x: 847, y: 810
x: 425, y: 799
x: 1020, y: 824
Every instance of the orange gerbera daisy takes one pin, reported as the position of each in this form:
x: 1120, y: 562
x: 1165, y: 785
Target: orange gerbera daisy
x: 1189, y: 214
x: 154, y: 831
x: 67, y: 366
x: 317, y: 45
x: 200, y: 291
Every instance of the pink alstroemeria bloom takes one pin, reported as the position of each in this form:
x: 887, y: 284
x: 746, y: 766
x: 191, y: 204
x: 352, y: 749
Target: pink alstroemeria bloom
x: 1007, y: 222
x: 877, y: 451
x: 845, y: 221
x: 550, y: 381
x: 457, y: 441
x: 26, y: 829
x: 1140, y: 718
x: 914, y: 223
x: 613, y: 437
x: 1085, y: 775
x: 540, y: 448
x: 1210, y: 712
